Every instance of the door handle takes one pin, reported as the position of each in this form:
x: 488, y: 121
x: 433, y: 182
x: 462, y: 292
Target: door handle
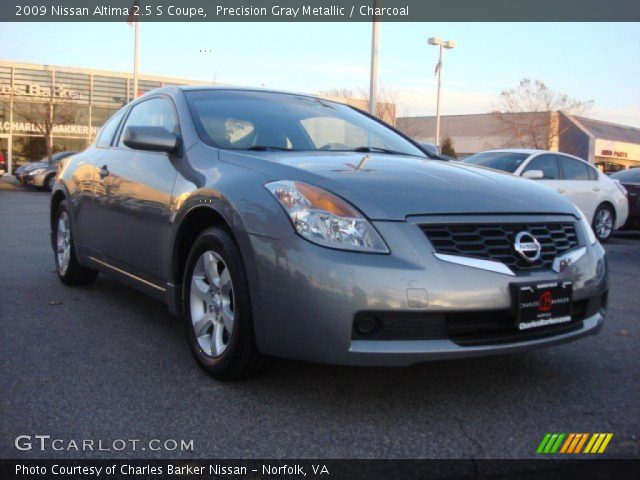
x: 560, y: 190
x: 103, y: 172
x: 596, y: 189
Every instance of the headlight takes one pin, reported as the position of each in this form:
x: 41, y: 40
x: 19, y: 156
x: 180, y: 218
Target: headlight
x: 323, y: 218
x: 588, y: 230
x: 37, y: 171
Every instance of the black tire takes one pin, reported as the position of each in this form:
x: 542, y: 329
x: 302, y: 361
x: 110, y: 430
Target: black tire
x: 241, y: 358
x: 74, y: 274
x: 603, y: 238
x: 49, y: 182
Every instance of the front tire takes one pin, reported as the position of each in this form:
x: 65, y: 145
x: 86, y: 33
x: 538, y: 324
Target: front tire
x: 217, y: 311
x: 603, y: 223
x: 70, y: 272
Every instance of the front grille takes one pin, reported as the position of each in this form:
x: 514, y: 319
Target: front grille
x: 494, y: 241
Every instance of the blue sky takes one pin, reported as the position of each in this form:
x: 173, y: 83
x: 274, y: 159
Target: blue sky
x: 589, y: 61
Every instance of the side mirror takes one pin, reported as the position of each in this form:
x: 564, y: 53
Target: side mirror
x: 533, y: 174
x: 155, y: 139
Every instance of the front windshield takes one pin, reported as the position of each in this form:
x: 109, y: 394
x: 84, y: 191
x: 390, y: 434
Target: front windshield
x: 505, y: 161
x: 242, y: 120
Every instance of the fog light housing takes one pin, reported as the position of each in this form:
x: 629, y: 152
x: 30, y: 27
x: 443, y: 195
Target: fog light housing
x: 366, y: 326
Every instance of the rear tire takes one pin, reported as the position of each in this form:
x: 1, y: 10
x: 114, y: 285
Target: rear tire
x: 216, y: 303
x: 70, y: 272
x: 603, y: 223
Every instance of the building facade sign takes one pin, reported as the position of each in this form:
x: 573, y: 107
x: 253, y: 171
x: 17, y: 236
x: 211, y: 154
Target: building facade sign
x: 42, y: 91
x: 72, y: 130
x: 617, y: 150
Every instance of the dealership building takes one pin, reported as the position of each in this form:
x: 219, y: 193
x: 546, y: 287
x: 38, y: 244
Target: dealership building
x: 89, y: 98
x: 606, y: 145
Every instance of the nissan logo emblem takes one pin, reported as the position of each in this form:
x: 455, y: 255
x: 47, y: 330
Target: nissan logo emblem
x: 527, y: 247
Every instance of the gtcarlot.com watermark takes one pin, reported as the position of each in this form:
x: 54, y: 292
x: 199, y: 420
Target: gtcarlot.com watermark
x: 49, y: 443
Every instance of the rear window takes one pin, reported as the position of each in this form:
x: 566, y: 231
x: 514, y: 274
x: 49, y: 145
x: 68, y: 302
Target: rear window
x: 505, y: 161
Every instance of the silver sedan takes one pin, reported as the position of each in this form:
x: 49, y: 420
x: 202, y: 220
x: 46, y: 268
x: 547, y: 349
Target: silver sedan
x: 285, y: 225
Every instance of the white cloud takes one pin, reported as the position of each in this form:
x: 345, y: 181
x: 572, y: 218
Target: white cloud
x: 422, y: 101
x: 625, y: 116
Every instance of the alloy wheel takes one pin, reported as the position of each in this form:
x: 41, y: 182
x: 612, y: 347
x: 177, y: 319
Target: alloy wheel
x: 604, y: 223
x: 63, y: 243
x: 212, y: 305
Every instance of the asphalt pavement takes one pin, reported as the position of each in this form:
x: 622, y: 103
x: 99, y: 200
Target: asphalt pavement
x: 106, y: 363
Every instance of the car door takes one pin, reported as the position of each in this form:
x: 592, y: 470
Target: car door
x: 87, y: 203
x: 579, y: 186
x: 136, y: 195
x: 547, y: 163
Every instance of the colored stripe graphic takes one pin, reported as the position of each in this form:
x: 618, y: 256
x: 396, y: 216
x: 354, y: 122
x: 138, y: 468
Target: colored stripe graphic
x: 581, y: 442
x: 573, y: 443
x: 605, y: 442
x: 543, y: 443
x: 567, y: 443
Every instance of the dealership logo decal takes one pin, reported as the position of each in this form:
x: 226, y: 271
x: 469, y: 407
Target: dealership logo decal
x: 574, y: 443
x: 527, y: 246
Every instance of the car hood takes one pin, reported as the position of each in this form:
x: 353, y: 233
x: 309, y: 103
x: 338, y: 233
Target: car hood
x: 392, y: 187
x: 34, y: 166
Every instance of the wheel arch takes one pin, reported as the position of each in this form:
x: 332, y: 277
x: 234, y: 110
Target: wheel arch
x: 191, y: 225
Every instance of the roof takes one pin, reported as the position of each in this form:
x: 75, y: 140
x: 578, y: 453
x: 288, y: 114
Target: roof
x: 610, y: 131
x: 528, y: 151
x: 248, y: 89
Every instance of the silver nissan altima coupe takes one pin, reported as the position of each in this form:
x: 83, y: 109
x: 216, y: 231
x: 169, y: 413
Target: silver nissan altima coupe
x: 285, y: 225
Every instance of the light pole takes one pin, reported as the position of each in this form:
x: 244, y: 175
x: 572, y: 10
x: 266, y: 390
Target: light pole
x: 449, y: 44
x: 373, y: 71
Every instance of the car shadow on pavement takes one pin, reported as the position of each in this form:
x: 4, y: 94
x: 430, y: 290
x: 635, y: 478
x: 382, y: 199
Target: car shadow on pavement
x: 320, y: 386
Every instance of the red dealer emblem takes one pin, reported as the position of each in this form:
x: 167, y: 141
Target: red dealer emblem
x: 545, y: 301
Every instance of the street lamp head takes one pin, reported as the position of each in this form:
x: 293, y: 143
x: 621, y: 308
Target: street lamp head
x: 450, y: 44
x: 435, y: 41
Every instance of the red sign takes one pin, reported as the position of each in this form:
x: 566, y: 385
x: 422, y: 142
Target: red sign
x: 545, y: 301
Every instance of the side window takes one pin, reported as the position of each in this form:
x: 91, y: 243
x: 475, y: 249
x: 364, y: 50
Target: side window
x: 156, y: 112
x: 548, y: 164
x: 593, y: 173
x: 574, y: 169
x: 108, y: 130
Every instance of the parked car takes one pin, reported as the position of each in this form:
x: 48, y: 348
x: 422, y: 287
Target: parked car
x: 41, y: 174
x: 287, y: 225
x: 602, y: 200
x: 630, y: 180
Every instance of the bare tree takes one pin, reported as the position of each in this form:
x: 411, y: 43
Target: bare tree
x: 340, y: 93
x: 529, y: 115
x: 386, y: 101
x: 44, y: 108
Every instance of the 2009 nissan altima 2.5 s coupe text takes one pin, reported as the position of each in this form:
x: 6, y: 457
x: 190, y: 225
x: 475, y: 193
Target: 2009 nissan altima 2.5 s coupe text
x: 286, y: 225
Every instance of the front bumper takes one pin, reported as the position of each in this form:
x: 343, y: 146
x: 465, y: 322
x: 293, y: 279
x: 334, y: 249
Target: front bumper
x: 305, y: 298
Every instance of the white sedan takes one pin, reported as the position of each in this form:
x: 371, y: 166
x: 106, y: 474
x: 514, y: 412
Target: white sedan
x: 603, y: 200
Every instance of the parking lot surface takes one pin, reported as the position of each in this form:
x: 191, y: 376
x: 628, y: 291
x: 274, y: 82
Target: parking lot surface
x: 107, y: 363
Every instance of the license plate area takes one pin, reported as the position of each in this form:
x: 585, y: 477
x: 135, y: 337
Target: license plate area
x: 542, y: 304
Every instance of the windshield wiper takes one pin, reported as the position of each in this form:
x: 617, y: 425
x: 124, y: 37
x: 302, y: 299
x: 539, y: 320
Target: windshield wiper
x: 379, y: 149
x: 262, y: 148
